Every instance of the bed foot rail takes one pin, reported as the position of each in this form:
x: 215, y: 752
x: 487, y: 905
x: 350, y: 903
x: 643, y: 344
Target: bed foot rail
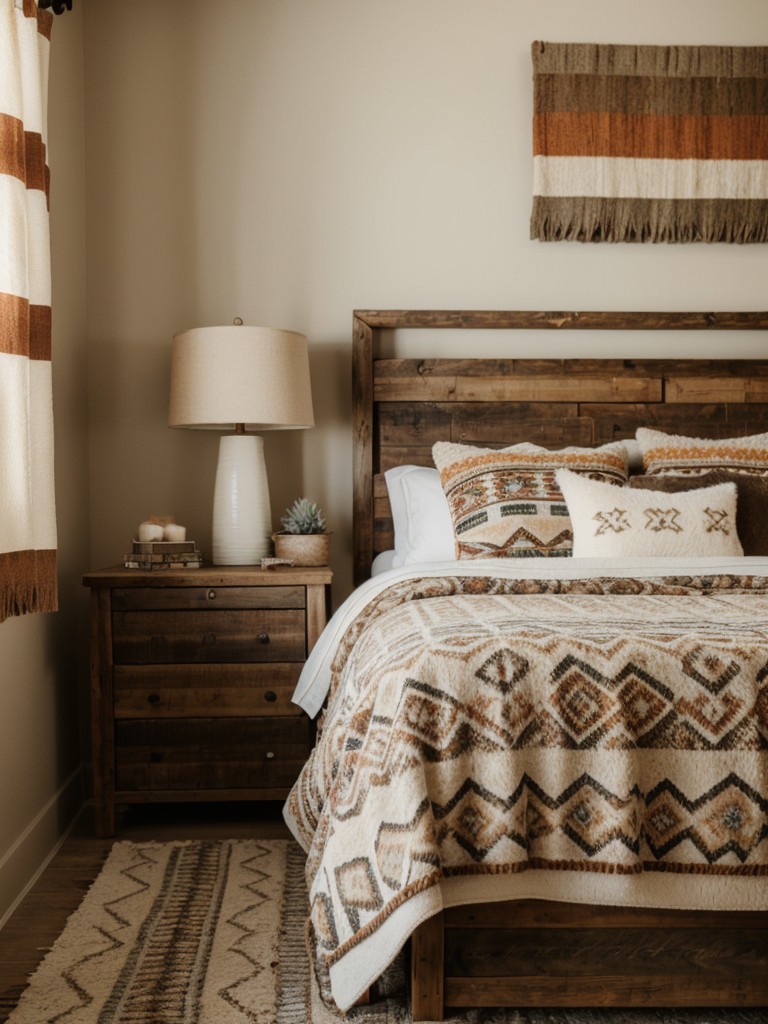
x: 521, y: 953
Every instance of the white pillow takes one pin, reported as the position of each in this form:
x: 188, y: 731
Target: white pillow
x: 422, y: 521
x: 383, y: 562
x: 615, y: 522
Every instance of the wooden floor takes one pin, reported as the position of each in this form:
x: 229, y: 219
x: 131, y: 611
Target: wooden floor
x: 41, y: 916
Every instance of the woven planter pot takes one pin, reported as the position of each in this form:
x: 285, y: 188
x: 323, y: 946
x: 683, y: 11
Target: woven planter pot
x: 303, y: 548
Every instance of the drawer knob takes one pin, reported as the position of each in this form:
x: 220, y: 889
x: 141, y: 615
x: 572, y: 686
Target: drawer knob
x: 155, y: 757
x: 270, y: 755
x: 263, y: 638
x: 211, y: 595
x: 209, y: 638
x: 270, y: 696
x: 154, y: 698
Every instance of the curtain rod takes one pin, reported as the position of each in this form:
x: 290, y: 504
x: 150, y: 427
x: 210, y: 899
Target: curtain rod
x: 59, y: 6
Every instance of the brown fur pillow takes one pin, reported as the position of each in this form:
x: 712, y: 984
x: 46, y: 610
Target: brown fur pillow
x: 751, y: 501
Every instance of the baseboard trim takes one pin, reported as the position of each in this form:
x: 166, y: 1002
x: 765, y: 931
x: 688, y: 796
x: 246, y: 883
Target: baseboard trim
x: 39, y: 843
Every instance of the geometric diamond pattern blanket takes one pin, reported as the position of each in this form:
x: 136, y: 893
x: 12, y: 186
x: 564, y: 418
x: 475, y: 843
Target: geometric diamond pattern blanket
x: 601, y: 740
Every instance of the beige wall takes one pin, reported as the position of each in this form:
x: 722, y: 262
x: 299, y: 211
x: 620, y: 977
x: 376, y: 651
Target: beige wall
x: 289, y: 160
x: 43, y: 658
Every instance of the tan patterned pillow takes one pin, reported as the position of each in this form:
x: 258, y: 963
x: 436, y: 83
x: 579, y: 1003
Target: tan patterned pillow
x: 617, y: 522
x: 673, y: 453
x: 506, y: 503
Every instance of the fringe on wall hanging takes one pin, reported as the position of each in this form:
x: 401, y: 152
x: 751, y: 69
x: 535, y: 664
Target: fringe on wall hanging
x: 650, y: 143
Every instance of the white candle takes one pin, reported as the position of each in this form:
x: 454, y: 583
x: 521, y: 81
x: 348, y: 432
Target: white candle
x: 172, y: 531
x: 149, y: 532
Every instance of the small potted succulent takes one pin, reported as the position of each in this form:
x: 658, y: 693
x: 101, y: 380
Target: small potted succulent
x: 304, y: 539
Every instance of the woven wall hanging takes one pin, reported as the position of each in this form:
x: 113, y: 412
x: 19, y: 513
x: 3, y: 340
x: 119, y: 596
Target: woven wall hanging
x: 650, y: 143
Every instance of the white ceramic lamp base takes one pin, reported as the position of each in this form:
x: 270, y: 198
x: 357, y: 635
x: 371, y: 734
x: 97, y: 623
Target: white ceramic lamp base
x: 242, y: 520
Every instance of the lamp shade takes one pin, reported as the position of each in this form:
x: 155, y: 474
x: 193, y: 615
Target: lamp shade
x: 224, y: 376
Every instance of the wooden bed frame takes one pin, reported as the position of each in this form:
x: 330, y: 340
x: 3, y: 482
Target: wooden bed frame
x: 470, y: 955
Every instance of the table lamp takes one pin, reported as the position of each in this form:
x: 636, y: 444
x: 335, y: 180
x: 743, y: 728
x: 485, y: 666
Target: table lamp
x: 243, y: 379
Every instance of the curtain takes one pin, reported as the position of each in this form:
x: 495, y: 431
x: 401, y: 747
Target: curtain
x: 27, y: 505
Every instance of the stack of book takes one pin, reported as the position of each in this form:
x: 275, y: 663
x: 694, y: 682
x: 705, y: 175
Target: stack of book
x: 163, y: 554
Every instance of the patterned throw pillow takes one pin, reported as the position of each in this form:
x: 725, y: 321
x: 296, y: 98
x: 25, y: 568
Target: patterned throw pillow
x: 673, y: 453
x: 505, y: 503
x: 613, y: 522
x: 751, y: 501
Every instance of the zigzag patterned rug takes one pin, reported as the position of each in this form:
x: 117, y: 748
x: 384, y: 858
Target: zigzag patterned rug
x: 213, y: 933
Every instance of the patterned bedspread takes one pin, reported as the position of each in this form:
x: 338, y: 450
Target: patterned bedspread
x: 601, y: 740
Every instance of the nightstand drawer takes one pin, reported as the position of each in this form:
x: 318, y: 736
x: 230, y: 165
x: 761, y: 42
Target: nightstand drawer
x: 206, y: 754
x: 205, y: 691
x: 162, y: 637
x: 171, y: 598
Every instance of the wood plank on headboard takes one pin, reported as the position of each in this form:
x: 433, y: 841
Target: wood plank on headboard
x: 402, y: 406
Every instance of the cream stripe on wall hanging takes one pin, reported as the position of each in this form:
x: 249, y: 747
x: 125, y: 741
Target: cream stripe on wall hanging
x: 650, y: 143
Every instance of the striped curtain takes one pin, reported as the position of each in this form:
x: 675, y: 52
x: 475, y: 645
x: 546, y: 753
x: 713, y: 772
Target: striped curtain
x: 650, y: 143
x: 27, y: 508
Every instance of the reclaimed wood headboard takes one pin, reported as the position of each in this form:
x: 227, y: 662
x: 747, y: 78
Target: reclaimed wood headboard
x: 402, y: 406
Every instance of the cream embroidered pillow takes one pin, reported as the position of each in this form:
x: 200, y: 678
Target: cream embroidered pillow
x: 505, y: 503
x: 619, y: 522
x: 673, y: 453
x: 751, y: 500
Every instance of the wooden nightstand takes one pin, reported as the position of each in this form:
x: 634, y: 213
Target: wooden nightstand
x: 192, y: 674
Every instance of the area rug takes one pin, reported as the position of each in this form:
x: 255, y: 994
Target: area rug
x: 214, y: 933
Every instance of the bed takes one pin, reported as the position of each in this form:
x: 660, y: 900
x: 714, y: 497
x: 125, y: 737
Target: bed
x: 447, y: 802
